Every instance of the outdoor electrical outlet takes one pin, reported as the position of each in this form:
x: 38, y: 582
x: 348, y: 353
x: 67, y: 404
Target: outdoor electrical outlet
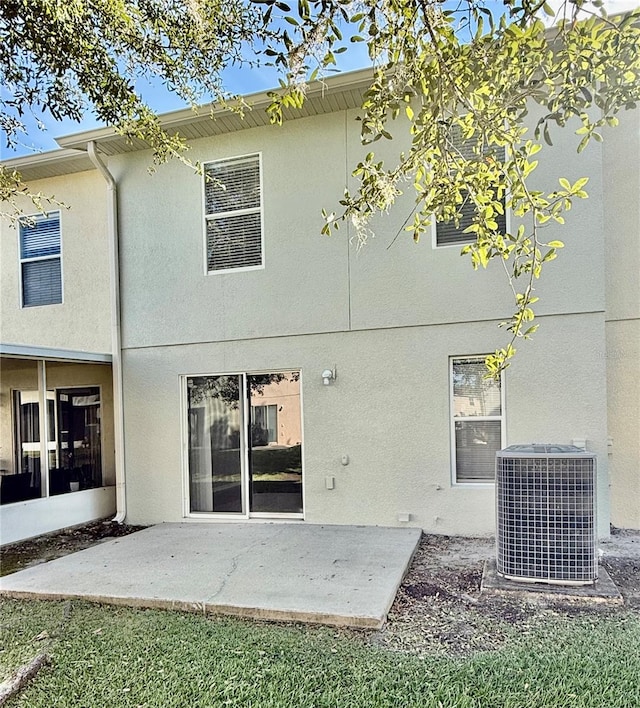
x: 330, y: 482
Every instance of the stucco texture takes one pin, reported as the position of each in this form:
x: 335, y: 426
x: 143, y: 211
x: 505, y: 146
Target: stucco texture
x: 388, y: 411
x: 621, y: 170
x: 82, y: 321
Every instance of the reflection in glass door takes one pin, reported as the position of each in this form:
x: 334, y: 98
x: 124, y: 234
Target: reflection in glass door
x: 245, y: 443
x: 73, y: 449
x: 275, y: 456
x: 79, y: 454
x: 28, y: 481
x: 215, y: 482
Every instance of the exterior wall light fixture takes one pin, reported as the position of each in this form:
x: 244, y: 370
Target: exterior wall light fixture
x: 328, y: 375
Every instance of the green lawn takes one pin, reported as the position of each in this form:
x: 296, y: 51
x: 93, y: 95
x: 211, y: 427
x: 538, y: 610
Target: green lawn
x: 106, y: 656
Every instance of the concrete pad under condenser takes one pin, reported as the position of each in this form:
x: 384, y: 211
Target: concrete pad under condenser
x: 603, y: 590
x: 338, y: 575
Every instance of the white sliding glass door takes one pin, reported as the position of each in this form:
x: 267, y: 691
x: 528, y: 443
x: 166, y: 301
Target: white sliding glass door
x: 244, y: 444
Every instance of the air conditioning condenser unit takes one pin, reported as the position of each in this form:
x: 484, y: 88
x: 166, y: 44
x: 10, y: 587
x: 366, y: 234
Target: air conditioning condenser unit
x: 546, y: 514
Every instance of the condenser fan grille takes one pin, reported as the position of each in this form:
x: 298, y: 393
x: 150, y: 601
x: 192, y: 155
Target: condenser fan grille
x: 546, y: 517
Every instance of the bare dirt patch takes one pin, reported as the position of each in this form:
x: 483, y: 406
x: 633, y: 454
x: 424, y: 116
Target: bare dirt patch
x: 621, y: 558
x: 17, y: 556
x: 439, y: 608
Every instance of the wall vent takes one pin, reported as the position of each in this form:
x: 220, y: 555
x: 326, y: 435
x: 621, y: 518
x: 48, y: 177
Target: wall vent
x: 545, y: 512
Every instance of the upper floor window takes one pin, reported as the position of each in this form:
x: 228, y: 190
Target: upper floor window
x: 477, y: 420
x: 447, y: 233
x: 40, y: 260
x: 233, y: 214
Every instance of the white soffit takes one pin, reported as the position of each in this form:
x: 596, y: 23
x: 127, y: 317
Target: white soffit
x: 53, y: 163
x: 336, y: 93
x: 25, y: 351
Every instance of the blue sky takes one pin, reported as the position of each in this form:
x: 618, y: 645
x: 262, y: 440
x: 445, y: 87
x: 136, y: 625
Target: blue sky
x: 241, y: 81
x: 237, y: 80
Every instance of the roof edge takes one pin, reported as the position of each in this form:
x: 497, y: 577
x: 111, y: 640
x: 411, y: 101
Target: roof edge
x: 29, y: 351
x: 50, y: 157
x: 360, y: 78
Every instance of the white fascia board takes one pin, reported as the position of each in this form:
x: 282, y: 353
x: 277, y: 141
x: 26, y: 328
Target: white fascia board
x: 26, y: 351
x: 359, y: 79
x: 44, y: 158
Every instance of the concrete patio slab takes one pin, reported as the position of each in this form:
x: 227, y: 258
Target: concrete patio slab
x: 338, y: 575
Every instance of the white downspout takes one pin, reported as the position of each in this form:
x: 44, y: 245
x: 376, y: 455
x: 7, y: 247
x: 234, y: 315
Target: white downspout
x: 116, y: 346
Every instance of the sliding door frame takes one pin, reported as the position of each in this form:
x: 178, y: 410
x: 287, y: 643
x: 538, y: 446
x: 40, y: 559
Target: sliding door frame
x: 245, y: 442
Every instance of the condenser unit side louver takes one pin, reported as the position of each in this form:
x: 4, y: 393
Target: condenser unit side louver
x: 546, y: 514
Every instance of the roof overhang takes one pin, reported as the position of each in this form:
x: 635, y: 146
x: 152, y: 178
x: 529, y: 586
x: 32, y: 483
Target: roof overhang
x: 339, y: 92
x: 53, y: 163
x: 335, y: 93
x: 26, y: 351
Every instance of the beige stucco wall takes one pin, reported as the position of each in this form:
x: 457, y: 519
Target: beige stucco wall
x: 623, y: 388
x: 388, y: 318
x: 388, y: 410
x: 82, y: 321
x: 394, y: 281
x: 303, y: 288
x: 313, y: 283
x: 621, y: 171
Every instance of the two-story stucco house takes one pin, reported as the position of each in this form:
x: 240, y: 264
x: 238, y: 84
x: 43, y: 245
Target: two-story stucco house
x: 265, y: 372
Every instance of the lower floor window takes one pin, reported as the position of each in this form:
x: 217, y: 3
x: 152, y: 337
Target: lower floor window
x: 477, y: 421
x: 70, y: 458
x: 244, y: 440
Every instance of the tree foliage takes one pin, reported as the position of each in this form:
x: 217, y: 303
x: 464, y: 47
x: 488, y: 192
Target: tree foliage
x: 442, y: 71
x: 474, y: 70
x: 228, y: 388
x: 64, y: 58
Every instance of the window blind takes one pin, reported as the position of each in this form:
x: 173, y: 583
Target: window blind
x: 42, y: 238
x: 476, y: 408
x: 234, y: 242
x: 233, y: 214
x: 232, y: 185
x: 476, y: 445
x: 41, y: 265
x: 447, y: 233
x: 474, y: 395
x: 41, y: 282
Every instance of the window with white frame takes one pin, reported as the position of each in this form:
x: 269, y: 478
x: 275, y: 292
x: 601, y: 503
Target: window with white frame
x: 264, y: 424
x: 233, y: 213
x: 448, y: 233
x: 41, y: 260
x: 477, y: 420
